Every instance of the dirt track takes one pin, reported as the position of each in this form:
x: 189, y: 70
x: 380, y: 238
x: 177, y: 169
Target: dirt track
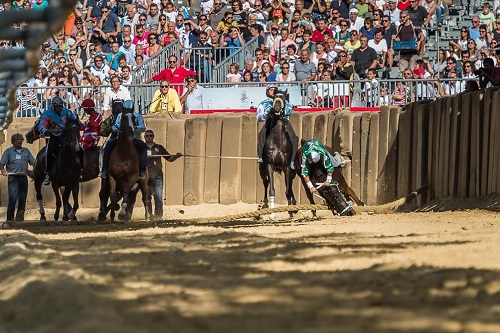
x: 415, y: 272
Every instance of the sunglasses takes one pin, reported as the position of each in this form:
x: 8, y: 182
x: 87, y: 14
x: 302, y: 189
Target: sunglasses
x: 151, y: 38
x: 467, y: 66
x: 191, y: 80
x: 104, y: 11
x: 72, y: 54
x: 285, y: 67
x: 127, y: 41
x: 149, y: 136
x: 172, y: 61
x: 164, y: 86
x: 385, y: 20
x: 343, y: 25
x: 179, y: 20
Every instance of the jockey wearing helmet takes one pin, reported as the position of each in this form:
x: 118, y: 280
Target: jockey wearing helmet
x: 141, y: 147
x: 313, y: 151
x: 53, y: 121
x: 262, y: 112
x: 91, y: 128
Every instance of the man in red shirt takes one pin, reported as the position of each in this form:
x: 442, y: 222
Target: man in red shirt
x: 173, y: 74
x: 318, y: 34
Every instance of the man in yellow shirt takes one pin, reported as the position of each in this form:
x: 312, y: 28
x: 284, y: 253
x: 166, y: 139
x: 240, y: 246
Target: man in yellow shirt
x: 165, y: 99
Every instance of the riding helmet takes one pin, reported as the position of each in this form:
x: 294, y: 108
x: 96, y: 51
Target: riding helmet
x: 57, y: 101
x: 271, y: 86
x: 128, y: 105
x: 315, y: 156
x: 88, y: 104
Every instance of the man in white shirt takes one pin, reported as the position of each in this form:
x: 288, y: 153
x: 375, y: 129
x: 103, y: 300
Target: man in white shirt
x: 393, y: 11
x: 379, y: 44
x: 116, y: 91
x: 192, y: 95
x: 355, y: 21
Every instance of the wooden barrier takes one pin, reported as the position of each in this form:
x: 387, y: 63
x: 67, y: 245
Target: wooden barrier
x: 450, y: 144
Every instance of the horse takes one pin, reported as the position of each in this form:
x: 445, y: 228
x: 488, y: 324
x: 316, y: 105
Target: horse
x: 123, y: 174
x: 331, y: 194
x: 65, y: 173
x: 278, y: 151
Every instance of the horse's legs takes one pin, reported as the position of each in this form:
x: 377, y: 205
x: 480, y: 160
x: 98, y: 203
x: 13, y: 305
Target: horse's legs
x: 272, y: 192
x: 72, y: 213
x: 112, y: 196
x: 289, y: 190
x: 143, y: 183
x: 65, y: 202
x: 122, y: 216
x: 58, y: 200
x: 103, y: 198
x: 265, y: 181
x: 39, y: 197
x: 309, y: 196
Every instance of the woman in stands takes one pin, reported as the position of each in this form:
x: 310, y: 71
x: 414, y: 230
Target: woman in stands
x: 153, y: 46
x: 162, y: 27
x: 472, y: 48
x: 461, y: 43
x: 368, y: 28
x: 266, y: 70
x: 293, y: 25
x: 343, y: 35
x: 440, y: 64
x: 319, y: 54
x: 239, y: 15
x: 68, y: 77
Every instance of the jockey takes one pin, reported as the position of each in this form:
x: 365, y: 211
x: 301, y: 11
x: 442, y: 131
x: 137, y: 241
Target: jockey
x: 313, y: 151
x: 262, y: 111
x: 91, y: 128
x: 141, y: 147
x: 53, y: 122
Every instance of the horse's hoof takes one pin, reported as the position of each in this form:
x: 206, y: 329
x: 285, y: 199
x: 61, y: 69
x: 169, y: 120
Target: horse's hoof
x: 122, y: 216
x: 71, y: 215
x: 101, y: 217
x: 264, y: 205
x: 43, y: 218
x: 65, y: 218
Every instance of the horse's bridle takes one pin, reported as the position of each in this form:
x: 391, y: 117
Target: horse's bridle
x: 279, y: 103
x: 129, y: 130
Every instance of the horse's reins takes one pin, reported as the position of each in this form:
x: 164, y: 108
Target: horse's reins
x: 208, y: 156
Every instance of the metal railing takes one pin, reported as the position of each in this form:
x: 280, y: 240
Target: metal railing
x: 156, y: 63
x: 239, y: 57
x: 325, y: 94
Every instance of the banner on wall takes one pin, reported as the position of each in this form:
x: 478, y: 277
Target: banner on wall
x: 243, y: 97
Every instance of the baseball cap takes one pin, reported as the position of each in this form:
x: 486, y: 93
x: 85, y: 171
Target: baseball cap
x: 353, y: 10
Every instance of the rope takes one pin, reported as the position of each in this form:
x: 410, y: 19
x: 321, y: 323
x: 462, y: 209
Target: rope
x: 208, y: 156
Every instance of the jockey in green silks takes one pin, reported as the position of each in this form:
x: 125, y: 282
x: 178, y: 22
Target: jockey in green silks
x: 313, y: 151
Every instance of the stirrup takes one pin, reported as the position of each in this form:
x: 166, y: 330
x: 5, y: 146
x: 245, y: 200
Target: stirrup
x: 46, y: 180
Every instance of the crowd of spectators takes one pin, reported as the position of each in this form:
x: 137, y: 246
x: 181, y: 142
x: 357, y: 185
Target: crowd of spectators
x: 298, y: 41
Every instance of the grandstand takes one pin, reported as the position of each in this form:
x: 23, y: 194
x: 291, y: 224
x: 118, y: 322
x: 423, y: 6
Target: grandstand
x: 236, y: 32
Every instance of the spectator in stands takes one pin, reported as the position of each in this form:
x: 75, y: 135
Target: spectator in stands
x: 496, y: 30
x: 78, y: 27
x: 393, y: 11
x: 342, y: 6
x: 226, y: 24
x: 488, y: 76
x: 486, y: 16
x: 200, y: 57
x: 49, y: 93
x: 399, y: 94
x: 126, y: 77
x: 419, y: 16
x: 266, y: 70
x: 112, y: 57
x: 406, y: 32
x: 216, y: 14
x: 332, y: 49
x: 261, y: 77
x: 321, y: 67
x: 434, y: 10
x: 461, y: 43
x: 371, y: 88
x: 239, y: 15
x: 293, y: 24
x: 233, y: 40
x: 307, y: 44
x: 279, y: 48
x: 344, y: 34
x: 355, y: 22
x: 273, y: 36
x: 192, y: 95
x: 451, y: 87
x: 170, y: 12
x: 380, y: 46
x: 285, y: 75
x: 132, y: 17
x: 334, y: 18
x: 278, y: 9
x: 362, y: 7
x: 28, y: 102
x: 153, y: 17
x: 403, y: 5
x: 141, y: 37
x: 305, y: 70
x: 249, y: 67
x: 473, y: 50
x: 109, y: 23
x: 93, y: 10
x: 202, y: 25
x: 165, y: 99
x: 318, y: 34
x: 474, y: 30
x: 469, y: 69
x: 99, y: 68
x: 116, y: 92
x: 451, y: 66
x: 319, y: 54
x: 67, y: 77
x: 368, y: 29
x: 153, y: 46
x: 128, y: 49
x: 40, y: 5
x: 75, y: 63
x: 233, y: 76
x: 175, y: 74
x: 69, y: 99
x: 364, y: 58
x: 423, y: 89
x: 484, y: 38
x: 162, y: 27
x: 353, y: 43
x: 247, y: 76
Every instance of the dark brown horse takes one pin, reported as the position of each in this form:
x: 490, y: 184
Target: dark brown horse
x: 123, y: 172
x: 317, y: 173
x: 278, y: 151
x: 65, y: 173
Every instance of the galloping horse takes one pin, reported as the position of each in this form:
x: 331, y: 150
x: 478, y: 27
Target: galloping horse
x: 278, y: 152
x: 65, y: 173
x: 331, y: 194
x: 123, y: 173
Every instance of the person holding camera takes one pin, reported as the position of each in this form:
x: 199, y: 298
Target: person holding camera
x: 488, y: 75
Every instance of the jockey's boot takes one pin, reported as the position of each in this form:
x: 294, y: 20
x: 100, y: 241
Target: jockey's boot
x: 47, y: 179
x: 292, y: 165
x: 104, y: 174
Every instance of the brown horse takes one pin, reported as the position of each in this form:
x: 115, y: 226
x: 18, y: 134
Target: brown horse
x: 318, y: 176
x: 123, y: 171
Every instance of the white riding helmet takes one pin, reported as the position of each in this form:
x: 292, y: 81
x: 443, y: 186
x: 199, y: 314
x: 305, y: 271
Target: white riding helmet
x: 315, y: 156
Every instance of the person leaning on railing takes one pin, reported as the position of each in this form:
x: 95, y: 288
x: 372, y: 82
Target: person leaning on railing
x: 165, y: 99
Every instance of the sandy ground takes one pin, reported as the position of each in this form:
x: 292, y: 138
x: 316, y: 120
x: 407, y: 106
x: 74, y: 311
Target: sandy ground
x: 404, y: 272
